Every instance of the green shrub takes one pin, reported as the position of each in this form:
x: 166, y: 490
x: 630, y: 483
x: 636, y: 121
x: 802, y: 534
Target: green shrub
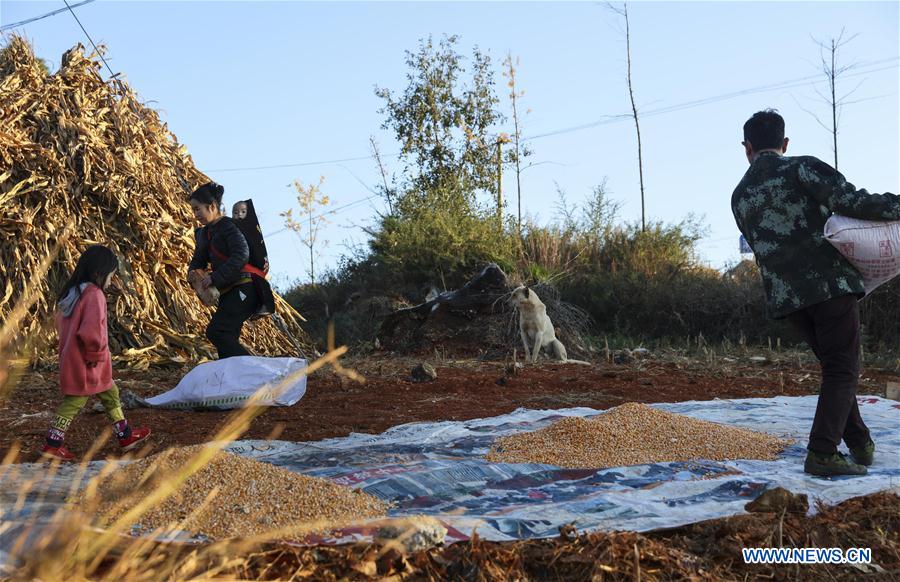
x: 647, y: 285
x: 437, y: 246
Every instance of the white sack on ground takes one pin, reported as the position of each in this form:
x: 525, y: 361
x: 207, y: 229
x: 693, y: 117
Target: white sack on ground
x: 872, y: 247
x: 228, y: 383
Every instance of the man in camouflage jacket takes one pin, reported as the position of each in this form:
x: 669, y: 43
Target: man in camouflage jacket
x: 781, y: 206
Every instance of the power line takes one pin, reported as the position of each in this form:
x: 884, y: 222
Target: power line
x: 802, y: 81
x: 333, y: 211
x: 112, y: 75
x: 790, y: 84
x: 786, y: 85
x: 41, y: 17
x: 299, y: 164
x: 118, y: 83
x: 608, y: 119
x: 330, y: 212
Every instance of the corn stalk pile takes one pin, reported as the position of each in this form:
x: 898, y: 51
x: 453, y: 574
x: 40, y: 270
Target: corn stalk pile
x: 82, y: 162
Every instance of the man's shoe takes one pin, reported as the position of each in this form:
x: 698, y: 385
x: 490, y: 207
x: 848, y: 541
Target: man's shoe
x: 831, y: 465
x: 60, y: 452
x: 864, y: 455
x: 138, y: 435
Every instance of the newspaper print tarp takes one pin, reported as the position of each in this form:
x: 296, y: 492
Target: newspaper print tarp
x: 437, y: 469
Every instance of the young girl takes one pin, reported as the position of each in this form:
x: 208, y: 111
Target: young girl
x: 85, y: 366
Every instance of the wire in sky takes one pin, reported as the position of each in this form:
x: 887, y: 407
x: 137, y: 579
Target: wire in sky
x: 803, y: 81
x: 42, y: 16
x: 790, y: 84
x: 608, y: 119
x: 795, y: 85
x: 113, y: 75
x: 298, y: 164
x: 333, y: 211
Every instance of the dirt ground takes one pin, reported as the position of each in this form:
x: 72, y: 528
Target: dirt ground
x: 709, y: 550
x: 705, y: 551
x: 334, y: 406
x: 464, y: 389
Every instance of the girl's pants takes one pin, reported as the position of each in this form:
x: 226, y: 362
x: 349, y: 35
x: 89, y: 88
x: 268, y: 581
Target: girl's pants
x: 72, y: 405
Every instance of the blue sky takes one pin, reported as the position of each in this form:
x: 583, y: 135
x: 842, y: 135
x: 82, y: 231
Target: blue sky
x: 248, y: 84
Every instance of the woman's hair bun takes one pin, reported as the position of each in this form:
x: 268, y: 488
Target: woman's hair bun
x: 209, y: 193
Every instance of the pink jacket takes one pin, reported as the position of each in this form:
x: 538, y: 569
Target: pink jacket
x: 83, y: 338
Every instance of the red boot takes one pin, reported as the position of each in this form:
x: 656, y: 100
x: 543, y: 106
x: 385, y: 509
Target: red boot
x: 138, y: 435
x: 60, y: 452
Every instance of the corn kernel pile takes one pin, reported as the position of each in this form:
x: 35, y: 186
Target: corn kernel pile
x: 252, y: 498
x: 633, y: 434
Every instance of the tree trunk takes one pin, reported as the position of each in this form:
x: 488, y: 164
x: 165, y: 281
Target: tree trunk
x: 637, y: 125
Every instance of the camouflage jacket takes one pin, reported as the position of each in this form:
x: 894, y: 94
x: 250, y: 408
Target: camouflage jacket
x: 781, y: 206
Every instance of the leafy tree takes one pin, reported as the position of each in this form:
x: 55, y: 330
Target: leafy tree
x: 443, y: 121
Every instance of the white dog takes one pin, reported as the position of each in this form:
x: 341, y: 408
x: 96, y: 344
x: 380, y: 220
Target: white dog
x: 536, y: 327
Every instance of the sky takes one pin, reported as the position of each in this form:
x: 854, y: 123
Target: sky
x: 291, y: 84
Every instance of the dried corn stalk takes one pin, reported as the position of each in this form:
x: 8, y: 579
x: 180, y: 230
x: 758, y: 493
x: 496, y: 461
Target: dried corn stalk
x: 74, y: 146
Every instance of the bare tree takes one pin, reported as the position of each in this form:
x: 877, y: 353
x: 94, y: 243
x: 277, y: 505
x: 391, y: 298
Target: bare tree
x: 623, y: 11
x: 565, y: 210
x: 519, y: 151
x: 311, y: 201
x: 388, y: 192
x: 828, y: 54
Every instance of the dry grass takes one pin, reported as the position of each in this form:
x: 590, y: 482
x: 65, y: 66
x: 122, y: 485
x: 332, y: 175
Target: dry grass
x: 76, y: 546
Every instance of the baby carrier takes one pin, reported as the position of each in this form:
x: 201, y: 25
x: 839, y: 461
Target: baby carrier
x: 258, y: 262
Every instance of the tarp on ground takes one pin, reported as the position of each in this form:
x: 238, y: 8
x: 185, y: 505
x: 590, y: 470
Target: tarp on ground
x: 437, y: 469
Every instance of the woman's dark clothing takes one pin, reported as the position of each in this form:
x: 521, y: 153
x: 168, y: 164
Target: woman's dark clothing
x: 225, y: 236
x: 239, y: 298
x: 224, y: 329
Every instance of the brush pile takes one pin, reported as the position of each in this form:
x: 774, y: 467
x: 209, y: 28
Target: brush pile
x: 477, y: 319
x: 82, y: 161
